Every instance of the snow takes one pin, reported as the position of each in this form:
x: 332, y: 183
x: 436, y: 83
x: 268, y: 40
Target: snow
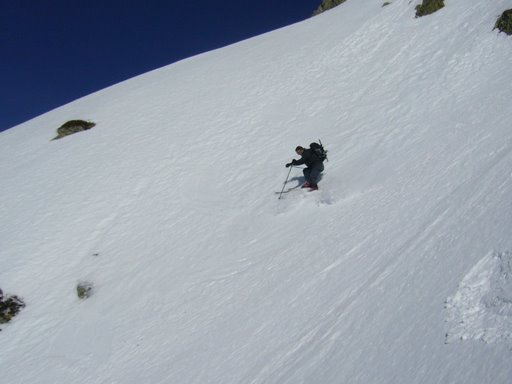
x: 482, y: 307
x: 201, y: 275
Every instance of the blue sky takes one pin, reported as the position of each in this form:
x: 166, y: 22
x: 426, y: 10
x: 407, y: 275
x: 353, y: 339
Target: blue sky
x: 55, y: 51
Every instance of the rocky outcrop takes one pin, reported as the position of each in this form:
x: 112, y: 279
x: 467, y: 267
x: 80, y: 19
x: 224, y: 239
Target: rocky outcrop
x: 73, y: 126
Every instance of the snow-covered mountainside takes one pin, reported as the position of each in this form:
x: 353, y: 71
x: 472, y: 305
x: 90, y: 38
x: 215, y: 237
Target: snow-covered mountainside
x: 398, y: 270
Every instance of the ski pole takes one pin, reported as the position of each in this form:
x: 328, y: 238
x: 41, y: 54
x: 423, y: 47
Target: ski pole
x: 284, y: 184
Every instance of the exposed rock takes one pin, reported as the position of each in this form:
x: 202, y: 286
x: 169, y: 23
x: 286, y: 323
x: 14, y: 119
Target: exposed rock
x: 84, y: 289
x: 504, y: 23
x: 428, y: 7
x: 9, y: 307
x: 73, y: 126
x: 327, y: 4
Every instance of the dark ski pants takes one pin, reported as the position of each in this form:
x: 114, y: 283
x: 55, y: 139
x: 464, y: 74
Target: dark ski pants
x: 312, y: 174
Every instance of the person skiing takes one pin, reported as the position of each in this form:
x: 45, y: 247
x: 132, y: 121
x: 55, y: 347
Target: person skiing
x: 314, y: 167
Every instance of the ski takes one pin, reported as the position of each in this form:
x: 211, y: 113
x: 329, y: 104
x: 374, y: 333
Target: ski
x: 289, y: 190
x: 296, y: 189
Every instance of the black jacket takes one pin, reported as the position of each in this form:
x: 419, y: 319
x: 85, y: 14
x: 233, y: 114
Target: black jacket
x: 308, y: 158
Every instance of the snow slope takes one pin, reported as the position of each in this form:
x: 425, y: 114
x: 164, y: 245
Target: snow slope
x: 396, y: 271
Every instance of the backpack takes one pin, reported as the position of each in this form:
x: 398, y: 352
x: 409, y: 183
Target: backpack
x: 319, y: 151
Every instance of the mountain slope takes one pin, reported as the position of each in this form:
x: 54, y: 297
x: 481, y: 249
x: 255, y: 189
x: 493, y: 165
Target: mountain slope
x: 202, y: 275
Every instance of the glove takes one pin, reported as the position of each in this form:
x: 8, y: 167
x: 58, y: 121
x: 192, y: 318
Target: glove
x: 288, y: 165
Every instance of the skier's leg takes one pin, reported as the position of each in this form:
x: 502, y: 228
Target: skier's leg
x: 307, y: 173
x: 314, y: 174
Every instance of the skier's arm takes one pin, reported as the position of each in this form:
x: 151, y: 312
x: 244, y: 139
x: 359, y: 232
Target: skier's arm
x: 298, y: 162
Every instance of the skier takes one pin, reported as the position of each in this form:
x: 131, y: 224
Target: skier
x: 314, y: 166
